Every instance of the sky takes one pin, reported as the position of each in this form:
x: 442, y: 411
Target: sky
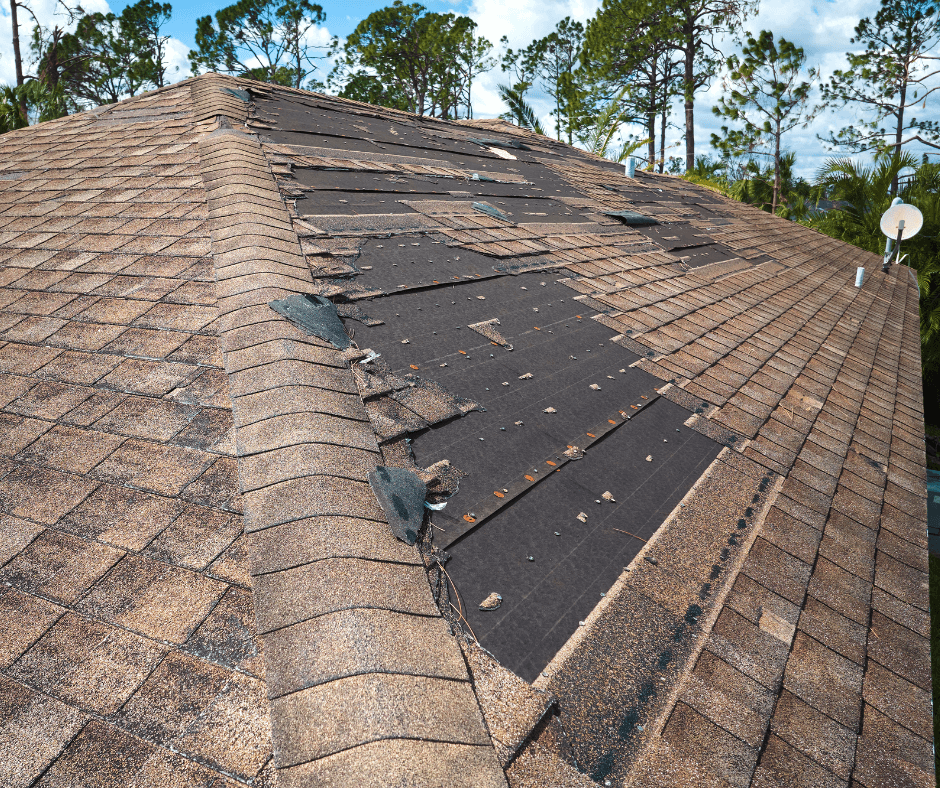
x: 822, y: 27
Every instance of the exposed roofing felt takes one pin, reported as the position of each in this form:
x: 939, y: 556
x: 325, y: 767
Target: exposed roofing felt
x: 674, y: 464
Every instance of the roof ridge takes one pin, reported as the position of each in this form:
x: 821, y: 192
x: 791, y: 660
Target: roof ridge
x: 316, y: 649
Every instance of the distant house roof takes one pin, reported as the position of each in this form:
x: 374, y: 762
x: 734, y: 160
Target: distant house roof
x: 346, y: 447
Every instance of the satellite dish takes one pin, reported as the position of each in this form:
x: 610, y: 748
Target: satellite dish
x: 891, y: 221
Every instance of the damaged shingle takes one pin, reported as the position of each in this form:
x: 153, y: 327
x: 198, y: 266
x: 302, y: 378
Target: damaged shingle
x: 316, y: 315
x: 485, y: 327
x: 489, y: 210
x: 391, y: 419
x: 401, y: 495
x: 442, y: 479
x: 355, y: 312
x: 513, y: 144
x: 631, y: 218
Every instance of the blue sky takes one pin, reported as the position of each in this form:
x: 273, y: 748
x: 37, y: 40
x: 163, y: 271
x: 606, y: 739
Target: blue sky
x: 822, y: 27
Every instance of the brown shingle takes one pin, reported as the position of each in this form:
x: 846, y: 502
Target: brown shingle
x: 121, y: 516
x: 88, y: 664
x: 70, y: 449
x: 42, y: 494
x: 354, y: 642
x: 196, y: 537
x: 158, y: 600
x: 152, y: 466
x: 34, y: 729
x: 25, y: 619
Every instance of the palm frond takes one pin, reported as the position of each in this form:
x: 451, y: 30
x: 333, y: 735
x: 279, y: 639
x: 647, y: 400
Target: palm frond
x: 521, y: 110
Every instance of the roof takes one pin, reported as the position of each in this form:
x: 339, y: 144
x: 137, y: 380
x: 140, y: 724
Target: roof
x: 673, y: 459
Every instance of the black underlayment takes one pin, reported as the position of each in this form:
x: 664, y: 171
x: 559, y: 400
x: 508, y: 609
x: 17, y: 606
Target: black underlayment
x: 550, y: 567
x: 564, y: 362
x: 558, y: 494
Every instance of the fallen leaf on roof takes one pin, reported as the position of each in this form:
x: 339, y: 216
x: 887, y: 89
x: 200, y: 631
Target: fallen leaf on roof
x: 527, y: 376
x: 595, y: 387
x: 492, y: 602
x: 649, y: 457
x: 582, y: 517
x: 607, y: 496
x: 549, y: 410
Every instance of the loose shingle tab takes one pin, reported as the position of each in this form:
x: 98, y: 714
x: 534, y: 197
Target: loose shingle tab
x: 315, y: 315
x: 631, y: 218
x: 401, y: 494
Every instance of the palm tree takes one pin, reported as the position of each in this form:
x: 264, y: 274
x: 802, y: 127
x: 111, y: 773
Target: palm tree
x: 866, y: 191
x: 599, y: 136
x: 520, y: 110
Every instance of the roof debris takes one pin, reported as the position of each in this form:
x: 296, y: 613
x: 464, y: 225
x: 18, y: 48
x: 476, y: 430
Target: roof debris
x: 486, y: 329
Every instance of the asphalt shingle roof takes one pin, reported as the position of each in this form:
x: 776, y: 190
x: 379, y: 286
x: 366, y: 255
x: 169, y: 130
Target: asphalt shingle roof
x: 684, y: 449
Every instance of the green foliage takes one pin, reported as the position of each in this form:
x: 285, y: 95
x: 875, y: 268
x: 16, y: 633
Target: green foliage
x: 105, y: 59
x: 934, y: 581
x: 259, y: 39
x: 866, y: 189
x: 748, y: 181
x: 632, y: 45
x: 40, y: 102
x: 521, y: 112
x: 600, y: 136
x: 406, y: 57
x: 895, y: 73
x: 764, y: 95
x: 637, y: 41
x: 552, y: 61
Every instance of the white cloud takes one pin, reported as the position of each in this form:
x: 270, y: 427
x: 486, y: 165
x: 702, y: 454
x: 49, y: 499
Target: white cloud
x: 177, y: 61
x: 522, y: 21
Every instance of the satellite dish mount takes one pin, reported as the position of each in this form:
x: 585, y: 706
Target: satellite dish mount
x: 899, y: 221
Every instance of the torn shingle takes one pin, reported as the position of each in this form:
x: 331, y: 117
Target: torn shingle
x: 316, y: 315
x: 401, y: 494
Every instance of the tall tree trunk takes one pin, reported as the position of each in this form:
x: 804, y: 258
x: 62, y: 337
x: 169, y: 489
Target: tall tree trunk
x: 776, y: 197
x: 898, y: 131
x: 17, y: 58
x: 662, y: 130
x: 689, y: 105
x: 651, y: 115
x: 558, y: 108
